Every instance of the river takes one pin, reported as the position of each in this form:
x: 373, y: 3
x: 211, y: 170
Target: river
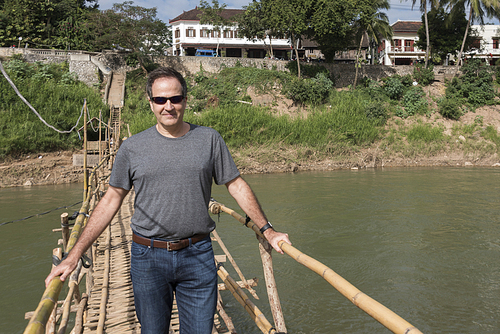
x: 424, y: 242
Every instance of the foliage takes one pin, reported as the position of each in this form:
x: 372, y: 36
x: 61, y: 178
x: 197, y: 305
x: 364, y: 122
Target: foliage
x: 446, y: 32
x: 394, y: 88
x: 414, y: 102
x: 374, y: 24
x: 450, y: 108
x: 308, y: 71
x: 211, y: 90
x: 377, y: 111
x: 424, y: 76
x: 475, y: 85
x: 57, y: 97
x: 39, y: 22
x: 309, y: 91
x: 425, y: 133
x: 134, y: 28
x: 331, y: 23
x: 345, y: 122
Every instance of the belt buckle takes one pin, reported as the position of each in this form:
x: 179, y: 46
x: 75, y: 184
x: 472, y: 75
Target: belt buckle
x: 169, y: 243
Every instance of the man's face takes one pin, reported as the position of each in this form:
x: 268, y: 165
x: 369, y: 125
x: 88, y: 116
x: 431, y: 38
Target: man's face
x: 168, y: 115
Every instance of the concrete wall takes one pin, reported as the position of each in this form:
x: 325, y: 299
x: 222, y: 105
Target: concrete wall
x: 92, y: 67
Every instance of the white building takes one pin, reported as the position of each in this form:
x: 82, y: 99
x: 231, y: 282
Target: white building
x: 189, y: 35
x: 401, y: 50
x: 486, y: 45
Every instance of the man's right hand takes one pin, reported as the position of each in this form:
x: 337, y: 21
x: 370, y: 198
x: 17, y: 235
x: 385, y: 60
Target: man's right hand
x: 64, y: 269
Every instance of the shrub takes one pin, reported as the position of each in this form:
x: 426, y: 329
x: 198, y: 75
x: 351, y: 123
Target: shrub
x: 475, y: 85
x: 313, y: 91
x: 376, y: 111
x: 394, y: 88
x: 308, y: 71
x: 424, y: 76
x: 450, y: 108
x: 414, y: 101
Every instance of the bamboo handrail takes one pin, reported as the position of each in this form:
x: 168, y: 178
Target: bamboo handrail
x: 379, y: 312
x: 238, y: 293
x: 44, y: 309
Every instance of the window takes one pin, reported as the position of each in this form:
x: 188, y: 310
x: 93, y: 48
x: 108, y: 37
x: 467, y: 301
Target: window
x: 397, y: 44
x: 190, y: 32
x: 235, y: 34
x: 205, y: 33
x: 215, y: 33
x: 409, y: 45
x: 496, y: 43
x: 228, y: 34
x: 177, y: 33
x: 476, y: 44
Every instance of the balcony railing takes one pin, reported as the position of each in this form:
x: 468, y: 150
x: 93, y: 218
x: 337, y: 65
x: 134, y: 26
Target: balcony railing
x: 405, y: 49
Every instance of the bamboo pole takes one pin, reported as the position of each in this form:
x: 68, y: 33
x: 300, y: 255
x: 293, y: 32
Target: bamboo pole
x: 235, y: 266
x: 65, y: 230
x: 42, y: 313
x: 227, y: 320
x: 254, y: 312
x: 379, y: 312
x: 50, y: 328
x: 85, y: 172
x: 105, y: 284
x: 272, y: 291
x: 78, y: 329
x: 49, y: 299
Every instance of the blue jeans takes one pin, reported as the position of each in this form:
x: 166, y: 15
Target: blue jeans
x: 190, y: 272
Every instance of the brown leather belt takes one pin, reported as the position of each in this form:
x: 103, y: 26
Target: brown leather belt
x: 169, y: 245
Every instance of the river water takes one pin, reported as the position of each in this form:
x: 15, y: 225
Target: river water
x: 425, y: 242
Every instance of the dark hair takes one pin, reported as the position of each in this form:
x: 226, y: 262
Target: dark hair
x: 165, y: 72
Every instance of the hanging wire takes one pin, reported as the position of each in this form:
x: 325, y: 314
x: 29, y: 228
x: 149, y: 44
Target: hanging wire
x: 33, y: 109
x: 41, y: 214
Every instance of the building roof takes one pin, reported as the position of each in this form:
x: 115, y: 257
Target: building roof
x: 194, y: 15
x: 406, y: 26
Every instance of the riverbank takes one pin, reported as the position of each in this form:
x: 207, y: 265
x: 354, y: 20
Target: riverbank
x: 57, y: 167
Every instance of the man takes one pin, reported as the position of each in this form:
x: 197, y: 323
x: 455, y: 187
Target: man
x: 171, y: 166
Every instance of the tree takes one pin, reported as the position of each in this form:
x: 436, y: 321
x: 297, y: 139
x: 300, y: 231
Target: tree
x: 478, y: 9
x: 134, y: 28
x: 288, y: 18
x: 37, y: 21
x: 445, y: 32
x: 213, y: 15
x: 423, y: 9
x: 373, y: 24
x: 252, y: 24
x: 331, y: 24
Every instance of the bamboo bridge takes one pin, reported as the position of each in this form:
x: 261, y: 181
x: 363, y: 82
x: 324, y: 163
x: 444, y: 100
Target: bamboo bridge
x: 107, y: 303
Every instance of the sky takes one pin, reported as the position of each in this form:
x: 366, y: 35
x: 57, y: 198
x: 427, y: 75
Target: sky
x: 169, y: 9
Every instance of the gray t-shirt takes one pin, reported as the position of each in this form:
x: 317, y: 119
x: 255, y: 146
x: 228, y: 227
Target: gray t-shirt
x: 172, y: 178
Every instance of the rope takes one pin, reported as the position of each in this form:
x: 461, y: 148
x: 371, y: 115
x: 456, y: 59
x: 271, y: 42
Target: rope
x: 40, y: 214
x: 33, y: 109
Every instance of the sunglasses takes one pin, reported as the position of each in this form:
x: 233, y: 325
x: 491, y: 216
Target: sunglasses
x: 173, y: 99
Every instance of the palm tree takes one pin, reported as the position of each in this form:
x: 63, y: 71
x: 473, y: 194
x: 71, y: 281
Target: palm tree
x: 477, y: 10
x: 423, y: 8
x: 374, y: 25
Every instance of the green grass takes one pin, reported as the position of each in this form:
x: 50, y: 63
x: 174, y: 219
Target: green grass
x: 56, y: 96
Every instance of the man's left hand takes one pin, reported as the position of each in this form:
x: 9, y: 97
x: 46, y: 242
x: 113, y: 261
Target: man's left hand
x: 274, y: 238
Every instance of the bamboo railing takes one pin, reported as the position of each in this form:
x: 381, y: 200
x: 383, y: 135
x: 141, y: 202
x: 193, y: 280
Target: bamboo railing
x: 38, y: 321
x: 379, y: 312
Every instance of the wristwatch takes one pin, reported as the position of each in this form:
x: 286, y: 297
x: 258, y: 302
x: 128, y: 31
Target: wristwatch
x: 265, y: 227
